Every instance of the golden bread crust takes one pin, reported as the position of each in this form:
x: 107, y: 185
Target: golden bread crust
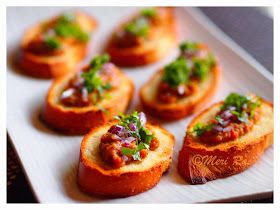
x: 95, y: 177
x: 57, y: 65
x: 178, y: 110
x: 149, y: 52
x: 76, y: 120
x: 199, y: 163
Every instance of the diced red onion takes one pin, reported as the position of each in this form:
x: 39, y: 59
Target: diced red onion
x: 142, y: 118
x: 244, y: 106
x: 132, y: 126
x: 124, y: 158
x: 181, y: 89
x: 217, y: 128
x: 188, y: 54
x: 231, y: 108
x: 226, y: 115
x: 190, y: 64
x: 67, y: 93
x: 225, y: 123
x: 84, y: 94
x: 130, y: 139
x: 50, y: 32
x: 127, y: 141
x: 107, y: 67
x: 79, y: 81
x: 227, y: 129
x: 116, y: 129
x: 201, y: 53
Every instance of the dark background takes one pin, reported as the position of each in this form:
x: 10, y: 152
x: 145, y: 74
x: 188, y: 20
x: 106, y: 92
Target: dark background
x: 247, y: 26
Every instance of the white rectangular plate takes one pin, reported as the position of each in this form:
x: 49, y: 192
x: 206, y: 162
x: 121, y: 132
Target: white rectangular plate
x: 50, y: 159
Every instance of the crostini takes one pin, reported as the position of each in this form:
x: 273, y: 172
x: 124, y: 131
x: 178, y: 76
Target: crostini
x: 182, y: 87
x: 226, y: 138
x: 124, y: 157
x: 82, y: 100
x: 53, y: 47
x: 145, y: 38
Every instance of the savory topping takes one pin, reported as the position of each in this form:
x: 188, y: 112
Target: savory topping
x: 137, y: 30
x: 127, y: 141
x: 236, y: 117
x: 181, y: 77
x: 50, y: 41
x: 91, y: 85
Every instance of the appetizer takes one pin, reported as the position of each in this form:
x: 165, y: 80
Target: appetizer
x: 53, y: 47
x: 145, y: 38
x: 124, y: 157
x: 226, y: 138
x: 88, y: 98
x: 182, y: 86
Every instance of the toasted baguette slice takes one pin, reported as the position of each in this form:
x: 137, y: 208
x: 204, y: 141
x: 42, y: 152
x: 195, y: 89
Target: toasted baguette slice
x: 97, y: 178
x: 79, y: 120
x: 183, y: 107
x: 163, y: 39
x: 199, y: 163
x: 42, y: 66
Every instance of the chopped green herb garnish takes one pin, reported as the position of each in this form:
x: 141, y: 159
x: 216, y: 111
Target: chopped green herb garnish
x: 242, y: 105
x: 201, y: 128
x: 52, y: 42
x: 142, y: 134
x: 176, y: 73
x: 127, y: 151
x: 139, y: 27
x: 150, y: 12
x: 98, y: 61
x: 92, y: 79
x: 190, y: 46
x: 203, y: 66
x: 67, y: 27
x: 201, y: 69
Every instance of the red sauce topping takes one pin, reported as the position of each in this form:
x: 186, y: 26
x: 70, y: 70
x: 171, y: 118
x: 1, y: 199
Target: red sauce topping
x: 229, y: 128
x: 167, y: 94
x: 126, y: 143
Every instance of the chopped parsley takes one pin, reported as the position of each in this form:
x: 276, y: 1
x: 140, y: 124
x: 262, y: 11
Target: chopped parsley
x: 52, y: 42
x: 65, y: 26
x: 142, y: 134
x: 203, y: 66
x: 242, y: 105
x: 188, y: 46
x: 201, y: 128
x: 92, y: 79
x: 150, y: 12
x: 185, y: 67
x: 140, y: 25
x: 176, y: 73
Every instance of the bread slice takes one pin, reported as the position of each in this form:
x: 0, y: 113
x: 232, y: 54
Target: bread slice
x: 56, y: 65
x: 183, y: 107
x: 80, y: 120
x: 199, y: 163
x: 97, y: 178
x: 163, y: 39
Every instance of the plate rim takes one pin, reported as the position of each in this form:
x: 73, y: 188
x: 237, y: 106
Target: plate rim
x: 227, y: 41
